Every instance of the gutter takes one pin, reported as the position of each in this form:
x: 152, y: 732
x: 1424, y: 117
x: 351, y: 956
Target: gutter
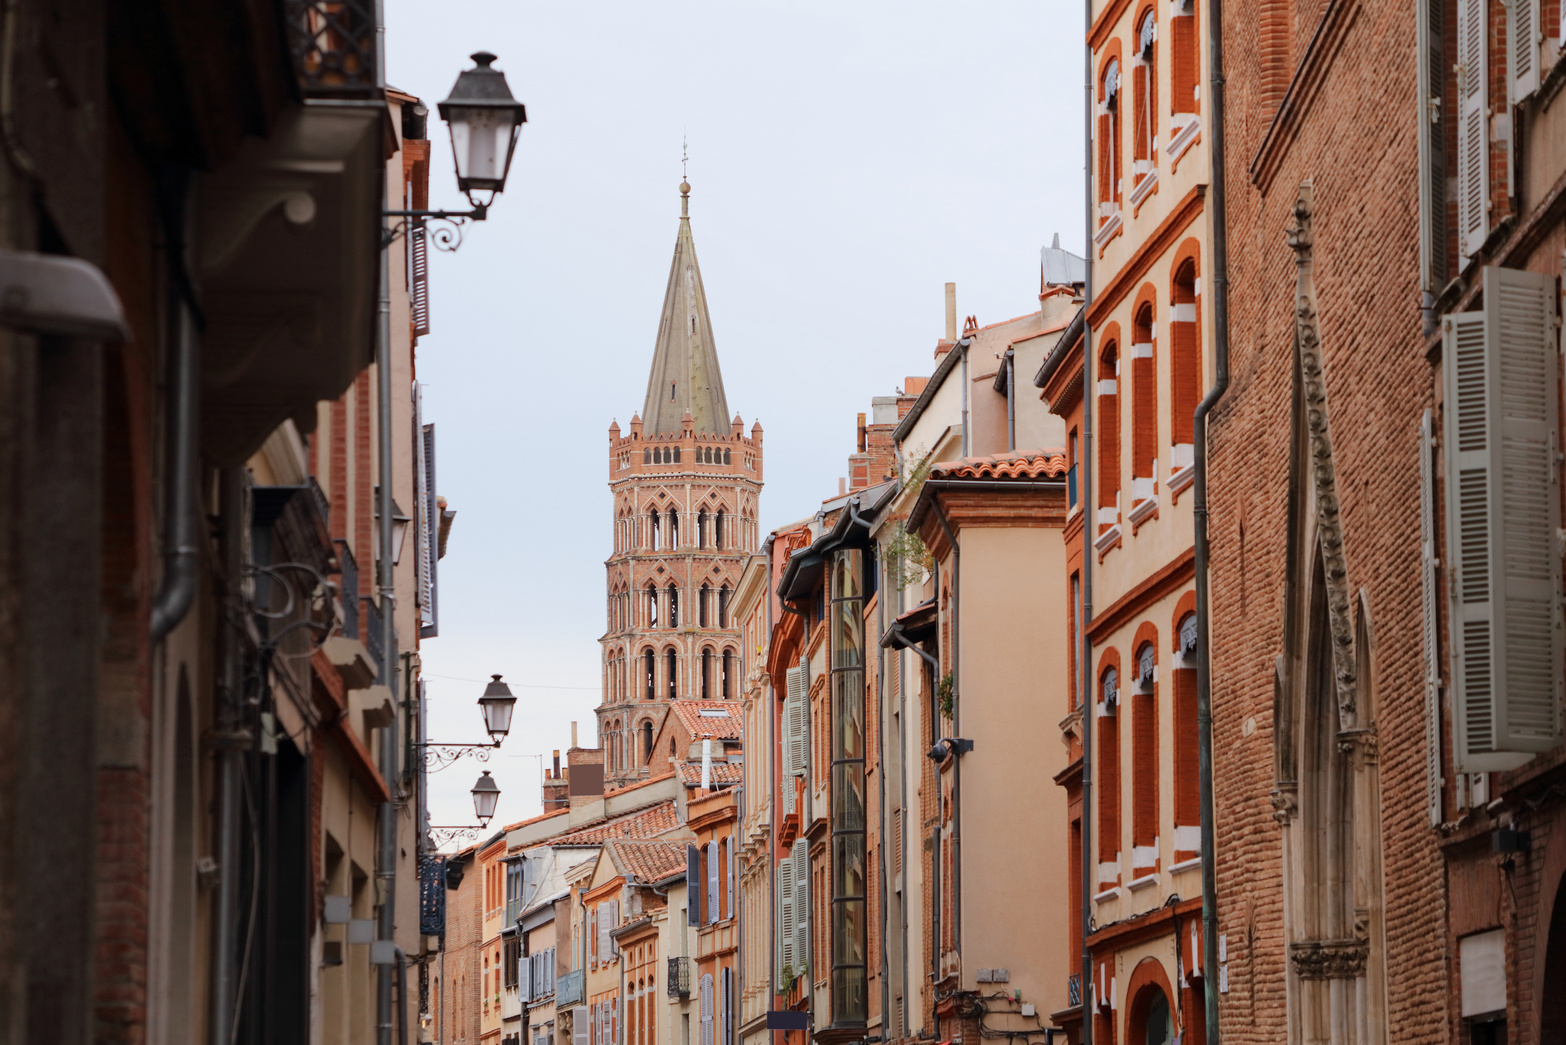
x: 1074, y: 331
x: 1204, y: 676
x: 1079, y: 325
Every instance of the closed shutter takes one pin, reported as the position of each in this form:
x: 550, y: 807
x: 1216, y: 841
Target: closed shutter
x: 580, y: 1025
x: 1473, y: 145
x: 733, y: 871
x: 1522, y: 48
x: 706, y: 1009
x: 603, y: 932
x: 614, y: 1020
x: 524, y: 975
x: 712, y: 882
x: 419, y: 278
x: 726, y: 1006
x: 1428, y: 590
x: 802, y: 906
x: 592, y: 934
x: 1503, y: 514
x: 692, y: 885
x: 785, y: 920
x: 614, y: 923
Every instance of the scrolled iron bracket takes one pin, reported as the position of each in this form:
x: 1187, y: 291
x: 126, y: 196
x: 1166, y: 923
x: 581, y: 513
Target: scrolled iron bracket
x: 439, y: 756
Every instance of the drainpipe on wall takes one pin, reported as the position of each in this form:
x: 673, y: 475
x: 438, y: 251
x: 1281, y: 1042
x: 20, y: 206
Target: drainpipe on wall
x: 962, y: 346
x: 1011, y: 401
x: 225, y: 734
x: 1089, y: 530
x: 1204, y: 681
x: 940, y: 516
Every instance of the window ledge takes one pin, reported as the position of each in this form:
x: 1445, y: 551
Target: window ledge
x: 1143, y: 189
x: 1180, y: 478
x: 1146, y: 880
x: 1107, y: 895
x: 1107, y: 540
x: 1141, y: 510
x: 1185, y: 136
x: 1186, y: 865
x: 1107, y: 231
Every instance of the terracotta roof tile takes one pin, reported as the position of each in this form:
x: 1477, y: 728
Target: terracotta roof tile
x: 1027, y: 464
x: 701, y: 718
x: 722, y: 773
x: 650, y: 822
x: 648, y: 861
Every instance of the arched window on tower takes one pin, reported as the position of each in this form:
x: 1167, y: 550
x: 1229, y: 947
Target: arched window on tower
x: 701, y: 528
x: 728, y: 675
x: 723, y: 606
x: 647, y: 455
x: 674, y: 524
x: 701, y: 604
x: 652, y: 605
x: 676, y: 455
x: 652, y: 529
x: 674, y: 606
x: 717, y: 529
x: 647, y: 739
x: 650, y: 668
x: 672, y: 666
x: 706, y: 674
x: 728, y: 457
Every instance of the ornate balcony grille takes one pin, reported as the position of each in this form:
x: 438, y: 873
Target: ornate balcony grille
x: 1074, y: 988
x: 679, y: 977
x: 348, y: 589
x: 332, y: 43
x: 432, y: 895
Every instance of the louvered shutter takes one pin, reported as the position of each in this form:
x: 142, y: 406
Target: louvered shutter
x: 706, y: 1009
x: 429, y: 547
x: 603, y: 932
x: 802, y: 906
x: 579, y: 1025
x: 1522, y: 48
x: 1473, y: 145
x: 524, y: 975
x: 419, y: 278
x: 726, y: 1006
x: 785, y: 919
x: 692, y: 885
x: 1428, y: 593
x: 614, y: 923
x: 799, y: 728
x: 1503, y: 514
x: 733, y: 871
x: 712, y: 882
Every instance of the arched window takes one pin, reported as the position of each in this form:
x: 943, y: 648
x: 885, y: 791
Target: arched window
x: 1109, y: 141
x: 701, y: 605
x: 1151, y: 1022
x: 706, y: 674
x: 727, y: 457
x: 1185, y: 362
x: 723, y: 606
x: 1144, y: 405
x: 1144, y: 766
x: 701, y: 528
x: 647, y: 455
x: 1185, y: 70
x: 1109, y: 437
x: 652, y: 529
x: 1145, y: 89
x: 650, y: 668
x: 674, y: 606
x: 1108, y: 758
x: 672, y: 665
x: 728, y: 675
x: 1187, y: 795
x: 674, y: 529
x: 647, y: 738
x: 652, y: 605
x: 717, y: 529
x: 676, y: 455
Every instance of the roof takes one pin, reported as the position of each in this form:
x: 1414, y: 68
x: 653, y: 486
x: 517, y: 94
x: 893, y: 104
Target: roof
x: 1024, y: 464
x: 685, y: 378
x: 1061, y: 267
x: 648, y: 822
x: 718, y: 719
x: 722, y: 773
x: 648, y: 861
x: 1068, y: 340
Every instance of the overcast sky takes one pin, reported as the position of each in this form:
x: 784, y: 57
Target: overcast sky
x: 846, y: 160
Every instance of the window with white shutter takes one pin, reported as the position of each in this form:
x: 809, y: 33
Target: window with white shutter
x: 592, y: 934
x: 1473, y: 138
x: 1430, y: 630
x: 706, y: 1009
x: 580, y: 1025
x: 1522, y: 48
x: 725, y: 1005
x: 604, y: 953
x: 1503, y: 516
x: 801, y: 906
x: 712, y: 882
x: 785, y: 932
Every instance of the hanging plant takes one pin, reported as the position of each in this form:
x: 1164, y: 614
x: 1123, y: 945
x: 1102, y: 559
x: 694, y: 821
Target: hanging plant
x: 909, y: 559
x: 945, y: 695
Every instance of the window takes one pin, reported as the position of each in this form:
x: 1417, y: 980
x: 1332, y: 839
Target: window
x: 1074, y: 611
x: 1185, y: 361
x: 717, y: 529
x: 1071, y: 471
x: 1144, y: 406
x: 701, y: 605
x: 849, y: 925
x: 652, y: 529
x: 1144, y: 766
x: 701, y: 528
x: 1184, y: 100
x: 1187, y: 796
x: 649, y: 666
x: 723, y: 606
x: 1109, y: 437
x: 1145, y: 90
x: 674, y: 606
x: 706, y: 674
x: 647, y: 741
x: 1108, y: 759
x: 726, y: 689
x: 647, y: 455
x: 1109, y: 141
x: 652, y: 606
x: 672, y: 665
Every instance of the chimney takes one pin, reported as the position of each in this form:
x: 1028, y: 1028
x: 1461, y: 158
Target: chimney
x: 951, y: 312
x: 842, y: 485
x: 861, y: 433
x: 573, y: 734
x: 557, y: 765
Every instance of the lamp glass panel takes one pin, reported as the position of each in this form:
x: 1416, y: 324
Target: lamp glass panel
x: 497, y: 715
x: 484, y: 802
x: 480, y: 140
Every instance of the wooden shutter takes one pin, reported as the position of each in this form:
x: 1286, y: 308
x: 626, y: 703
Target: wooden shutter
x: 1522, y: 48
x: 802, y: 906
x: 1430, y: 28
x: 419, y: 278
x: 785, y: 918
x: 603, y: 932
x: 614, y: 923
x: 706, y: 1009
x: 1431, y: 633
x: 1503, y: 514
x: 726, y: 1007
x: 712, y: 882
x: 1473, y: 144
x: 733, y: 870
x: 692, y: 885
x: 580, y: 1025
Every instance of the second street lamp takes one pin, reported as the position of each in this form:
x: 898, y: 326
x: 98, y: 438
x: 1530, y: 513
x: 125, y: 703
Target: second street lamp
x: 486, y: 796
x: 497, y: 704
x: 484, y: 120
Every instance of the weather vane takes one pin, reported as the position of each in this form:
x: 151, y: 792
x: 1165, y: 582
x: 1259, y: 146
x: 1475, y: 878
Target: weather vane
x: 685, y: 155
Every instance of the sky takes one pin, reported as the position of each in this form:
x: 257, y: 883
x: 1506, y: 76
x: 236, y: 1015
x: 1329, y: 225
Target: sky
x: 847, y: 159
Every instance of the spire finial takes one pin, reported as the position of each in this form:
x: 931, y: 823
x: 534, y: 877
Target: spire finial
x: 685, y: 185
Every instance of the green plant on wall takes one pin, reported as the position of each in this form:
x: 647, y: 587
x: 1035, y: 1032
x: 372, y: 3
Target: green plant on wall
x: 945, y: 694
x: 907, y: 558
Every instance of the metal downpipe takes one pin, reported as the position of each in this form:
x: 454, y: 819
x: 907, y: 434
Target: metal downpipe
x: 221, y: 995
x: 1089, y: 530
x: 181, y: 541
x: 386, y: 819
x: 1204, y: 682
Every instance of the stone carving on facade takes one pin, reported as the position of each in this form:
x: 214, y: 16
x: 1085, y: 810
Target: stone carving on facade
x: 1328, y: 959
x: 1285, y: 801
x: 1329, y: 525
x: 1361, y: 742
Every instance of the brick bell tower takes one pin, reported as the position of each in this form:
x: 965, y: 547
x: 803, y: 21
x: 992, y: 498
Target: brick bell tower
x: 685, y: 480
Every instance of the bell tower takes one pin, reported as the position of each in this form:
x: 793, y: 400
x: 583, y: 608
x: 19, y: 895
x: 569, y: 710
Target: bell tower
x: 686, y: 481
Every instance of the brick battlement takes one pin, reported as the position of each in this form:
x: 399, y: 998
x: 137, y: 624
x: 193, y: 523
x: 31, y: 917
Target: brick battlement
x: 735, y: 454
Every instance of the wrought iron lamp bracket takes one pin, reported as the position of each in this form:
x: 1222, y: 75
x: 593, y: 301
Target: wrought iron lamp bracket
x: 439, y: 756
x: 447, y: 233
x: 441, y: 835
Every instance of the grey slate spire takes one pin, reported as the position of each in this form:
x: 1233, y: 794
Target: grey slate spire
x: 685, y: 374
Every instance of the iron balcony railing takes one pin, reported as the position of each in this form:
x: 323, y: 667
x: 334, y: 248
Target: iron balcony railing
x: 432, y: 895
x: 348, y: 589
x: 679, y: 977
x: 1074, y: 988
x: 373, y: 640
x: 570, y: 989
x: 332, y: 44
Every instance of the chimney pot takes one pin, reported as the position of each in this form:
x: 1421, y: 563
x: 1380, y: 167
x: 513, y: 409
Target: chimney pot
x: 951, y: 312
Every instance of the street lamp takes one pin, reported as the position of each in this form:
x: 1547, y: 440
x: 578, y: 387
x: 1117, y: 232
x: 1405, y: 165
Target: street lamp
x: 485, y: 121
x: 486, y: 795
x: 497, y: 704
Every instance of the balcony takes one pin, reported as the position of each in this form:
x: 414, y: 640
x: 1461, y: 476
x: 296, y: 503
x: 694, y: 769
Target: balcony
x: 332, y: 43
x: 1074, y: 989
x: 432, y: 895
x: 679, y: 977
x: 348, y: 589
x: 372, y: 638
x: 571, y: 989
x: 510, y: 1004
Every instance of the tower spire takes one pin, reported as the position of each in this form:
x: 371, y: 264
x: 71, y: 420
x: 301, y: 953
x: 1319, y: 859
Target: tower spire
x: 685, y: 375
